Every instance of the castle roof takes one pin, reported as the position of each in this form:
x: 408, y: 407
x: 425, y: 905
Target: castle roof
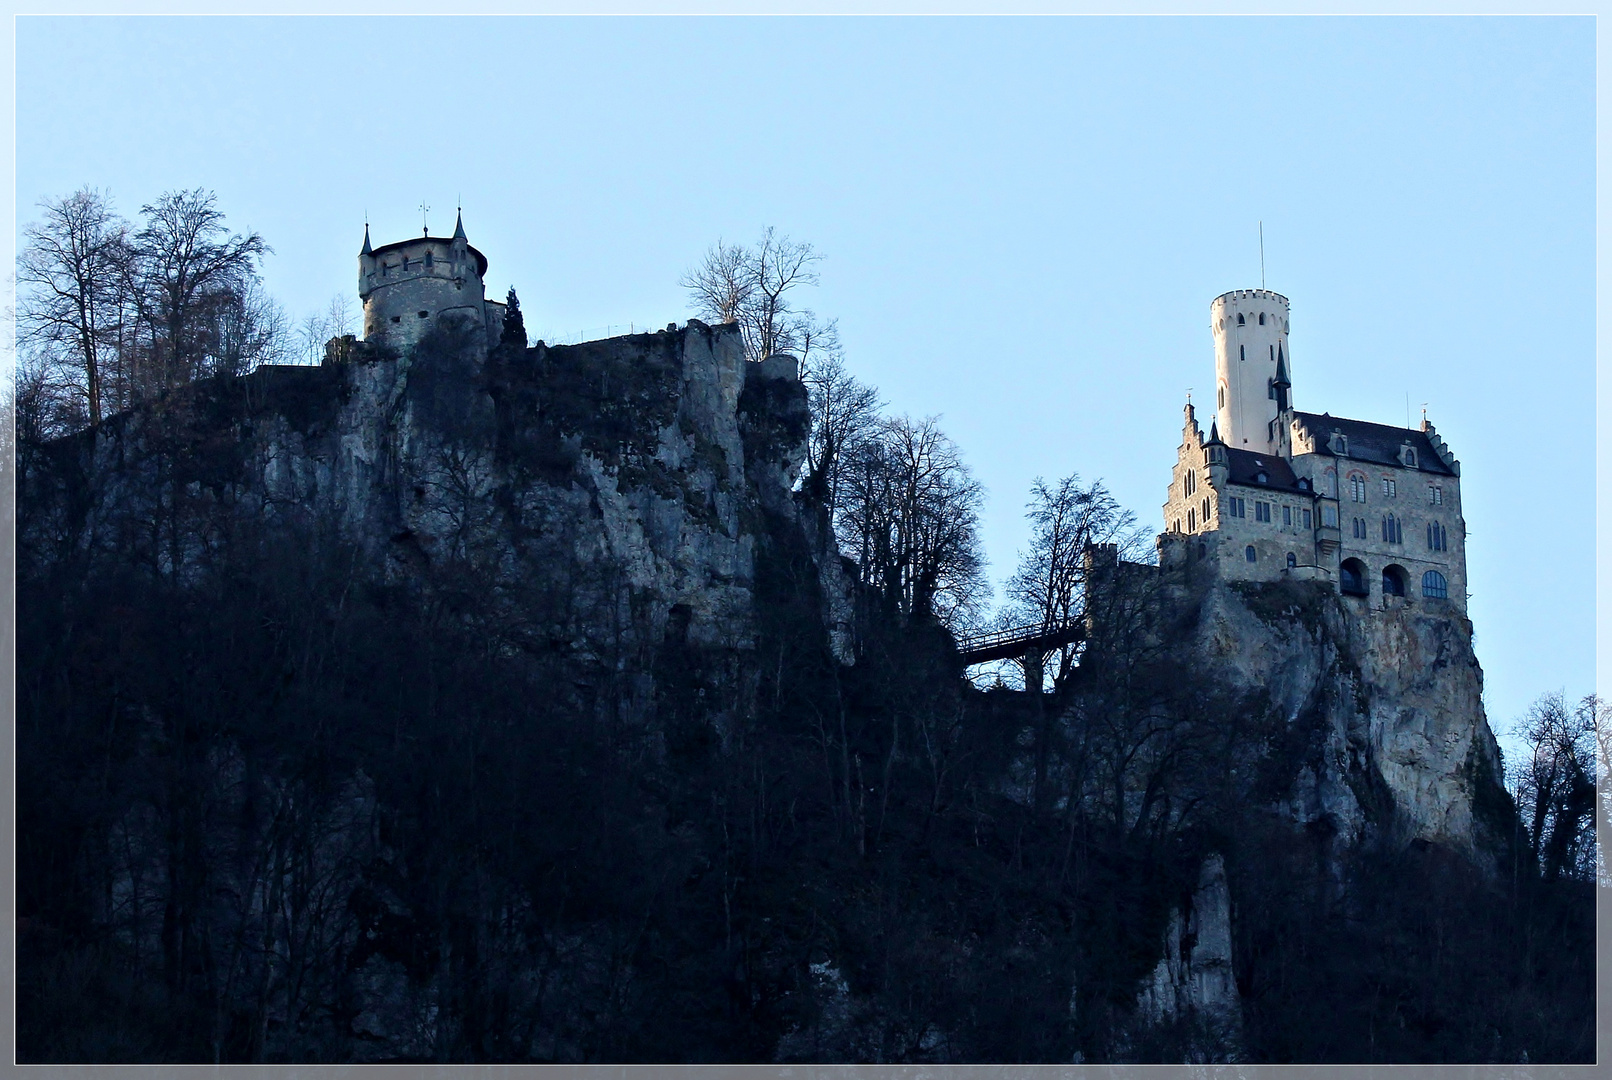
x: 1375, y: 443
x: 1245, y: 467
x: 445, y: 241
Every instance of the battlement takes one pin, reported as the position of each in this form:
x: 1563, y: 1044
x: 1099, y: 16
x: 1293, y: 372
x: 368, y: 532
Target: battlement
x: 1265, y: 295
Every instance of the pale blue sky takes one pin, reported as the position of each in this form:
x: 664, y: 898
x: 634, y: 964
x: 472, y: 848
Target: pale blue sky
x: 1024, y: 221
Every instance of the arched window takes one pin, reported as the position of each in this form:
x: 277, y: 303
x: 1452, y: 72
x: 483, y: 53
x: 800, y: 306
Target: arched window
x: 1292, y: 560
x: 1352, y: 577
x: 1239, y: 319
x: 1357, y: 487
x: 1192, y: 521
x: 1393, y: 581
x: 428, y: 260
x: 1262, y: 318
x: 1250, y: 554
x: 1222, y: 397
x: 1434, y: 587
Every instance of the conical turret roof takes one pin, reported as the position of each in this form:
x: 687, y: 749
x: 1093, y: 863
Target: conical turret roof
x: 365, y: 250
x: 459, y: 226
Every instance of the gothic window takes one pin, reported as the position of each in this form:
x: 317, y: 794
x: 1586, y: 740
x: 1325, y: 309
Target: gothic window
x: 1239, y: 319
x: 1393, y: 581
x: 1190, y: 482
x: 1410, y: 458
x: 1357, y: 487
x: 1262, y: 511
x: 1359, y: 528
x: 1250, y: 554
x: 1390, y: 488
x: 1434, y: 587
x: 1192, y: 520
x: 1392, y: 533
x: 1438, y: 538
x: 1292, y: 560
x: 1352, y: 578
x: 1205, y: 514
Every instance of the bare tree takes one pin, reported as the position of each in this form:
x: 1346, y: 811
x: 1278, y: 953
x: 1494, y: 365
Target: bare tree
x: 67, y: 275
x: 1555, y: 784
x: 751, y: 286
x: 1050, y: 585
x: 845, y: 414
x: 189, y: 267
x: 910, y: 518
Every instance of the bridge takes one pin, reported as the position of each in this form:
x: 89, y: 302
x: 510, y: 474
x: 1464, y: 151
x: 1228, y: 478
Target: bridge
x: 1035, y: 640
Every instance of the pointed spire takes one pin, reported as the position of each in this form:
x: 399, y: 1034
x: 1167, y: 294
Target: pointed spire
x: 1214, y: 434
x: 1281, y: 368
x: 366, y: 248
x: 459, y: 225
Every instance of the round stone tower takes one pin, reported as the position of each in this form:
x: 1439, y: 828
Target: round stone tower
x: 412, y: 285
x: 1252, y: 366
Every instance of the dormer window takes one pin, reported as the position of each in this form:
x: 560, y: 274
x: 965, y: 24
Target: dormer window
x: 1407, y: 456
x: 1304, y: 484
x: 1262, y: 478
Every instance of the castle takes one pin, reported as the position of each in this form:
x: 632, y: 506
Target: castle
x: 1277, y: 494
x: 411, y: 285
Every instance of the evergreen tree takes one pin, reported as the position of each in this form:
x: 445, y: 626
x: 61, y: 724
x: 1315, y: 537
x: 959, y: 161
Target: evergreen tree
x: 514, y: 327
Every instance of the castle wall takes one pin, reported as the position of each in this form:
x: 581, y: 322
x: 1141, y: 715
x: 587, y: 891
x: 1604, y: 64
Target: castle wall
x: 404, y: 297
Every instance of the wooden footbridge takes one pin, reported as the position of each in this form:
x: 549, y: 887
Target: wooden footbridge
x: 1035, y: 640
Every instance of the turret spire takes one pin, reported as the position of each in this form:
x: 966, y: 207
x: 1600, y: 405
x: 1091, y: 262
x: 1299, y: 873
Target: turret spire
x: 459, y: 225
x: 365, y: 250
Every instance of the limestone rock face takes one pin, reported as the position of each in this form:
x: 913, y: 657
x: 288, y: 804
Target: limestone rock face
x: 1194, y: 977
x: 1392, y: 694
x: 631, y: 477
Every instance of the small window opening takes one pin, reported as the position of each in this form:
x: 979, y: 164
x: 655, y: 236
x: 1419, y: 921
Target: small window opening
x: 428, y: 260
x: 397, y: 318
x: 1262, y: 318
x: 425, y: 314
x: 1239, y: 319
x: 1292, y: 560
x: 1250, y: 554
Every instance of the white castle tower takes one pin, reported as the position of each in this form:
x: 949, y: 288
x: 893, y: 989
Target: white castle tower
x: 411, y: 285
x: 1252, y: 367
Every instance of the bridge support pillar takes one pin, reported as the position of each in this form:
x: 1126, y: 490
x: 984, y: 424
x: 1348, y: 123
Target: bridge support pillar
x: 1034, y: 663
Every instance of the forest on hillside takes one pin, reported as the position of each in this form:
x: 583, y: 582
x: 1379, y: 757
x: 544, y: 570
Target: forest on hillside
x: 274, y: 806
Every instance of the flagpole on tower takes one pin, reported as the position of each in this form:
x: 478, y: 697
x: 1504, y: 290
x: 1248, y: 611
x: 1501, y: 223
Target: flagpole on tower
x: 1262, y: 254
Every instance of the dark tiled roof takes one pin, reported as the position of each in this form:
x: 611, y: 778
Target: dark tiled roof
x: 1377, y: 443
x: 1245, y: 467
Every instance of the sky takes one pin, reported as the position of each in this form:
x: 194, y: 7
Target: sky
x: 1022, y: 221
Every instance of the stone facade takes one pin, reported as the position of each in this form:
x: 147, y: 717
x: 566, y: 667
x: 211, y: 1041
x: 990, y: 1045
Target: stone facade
x: 409, y: 286
x: 1277, y: 494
